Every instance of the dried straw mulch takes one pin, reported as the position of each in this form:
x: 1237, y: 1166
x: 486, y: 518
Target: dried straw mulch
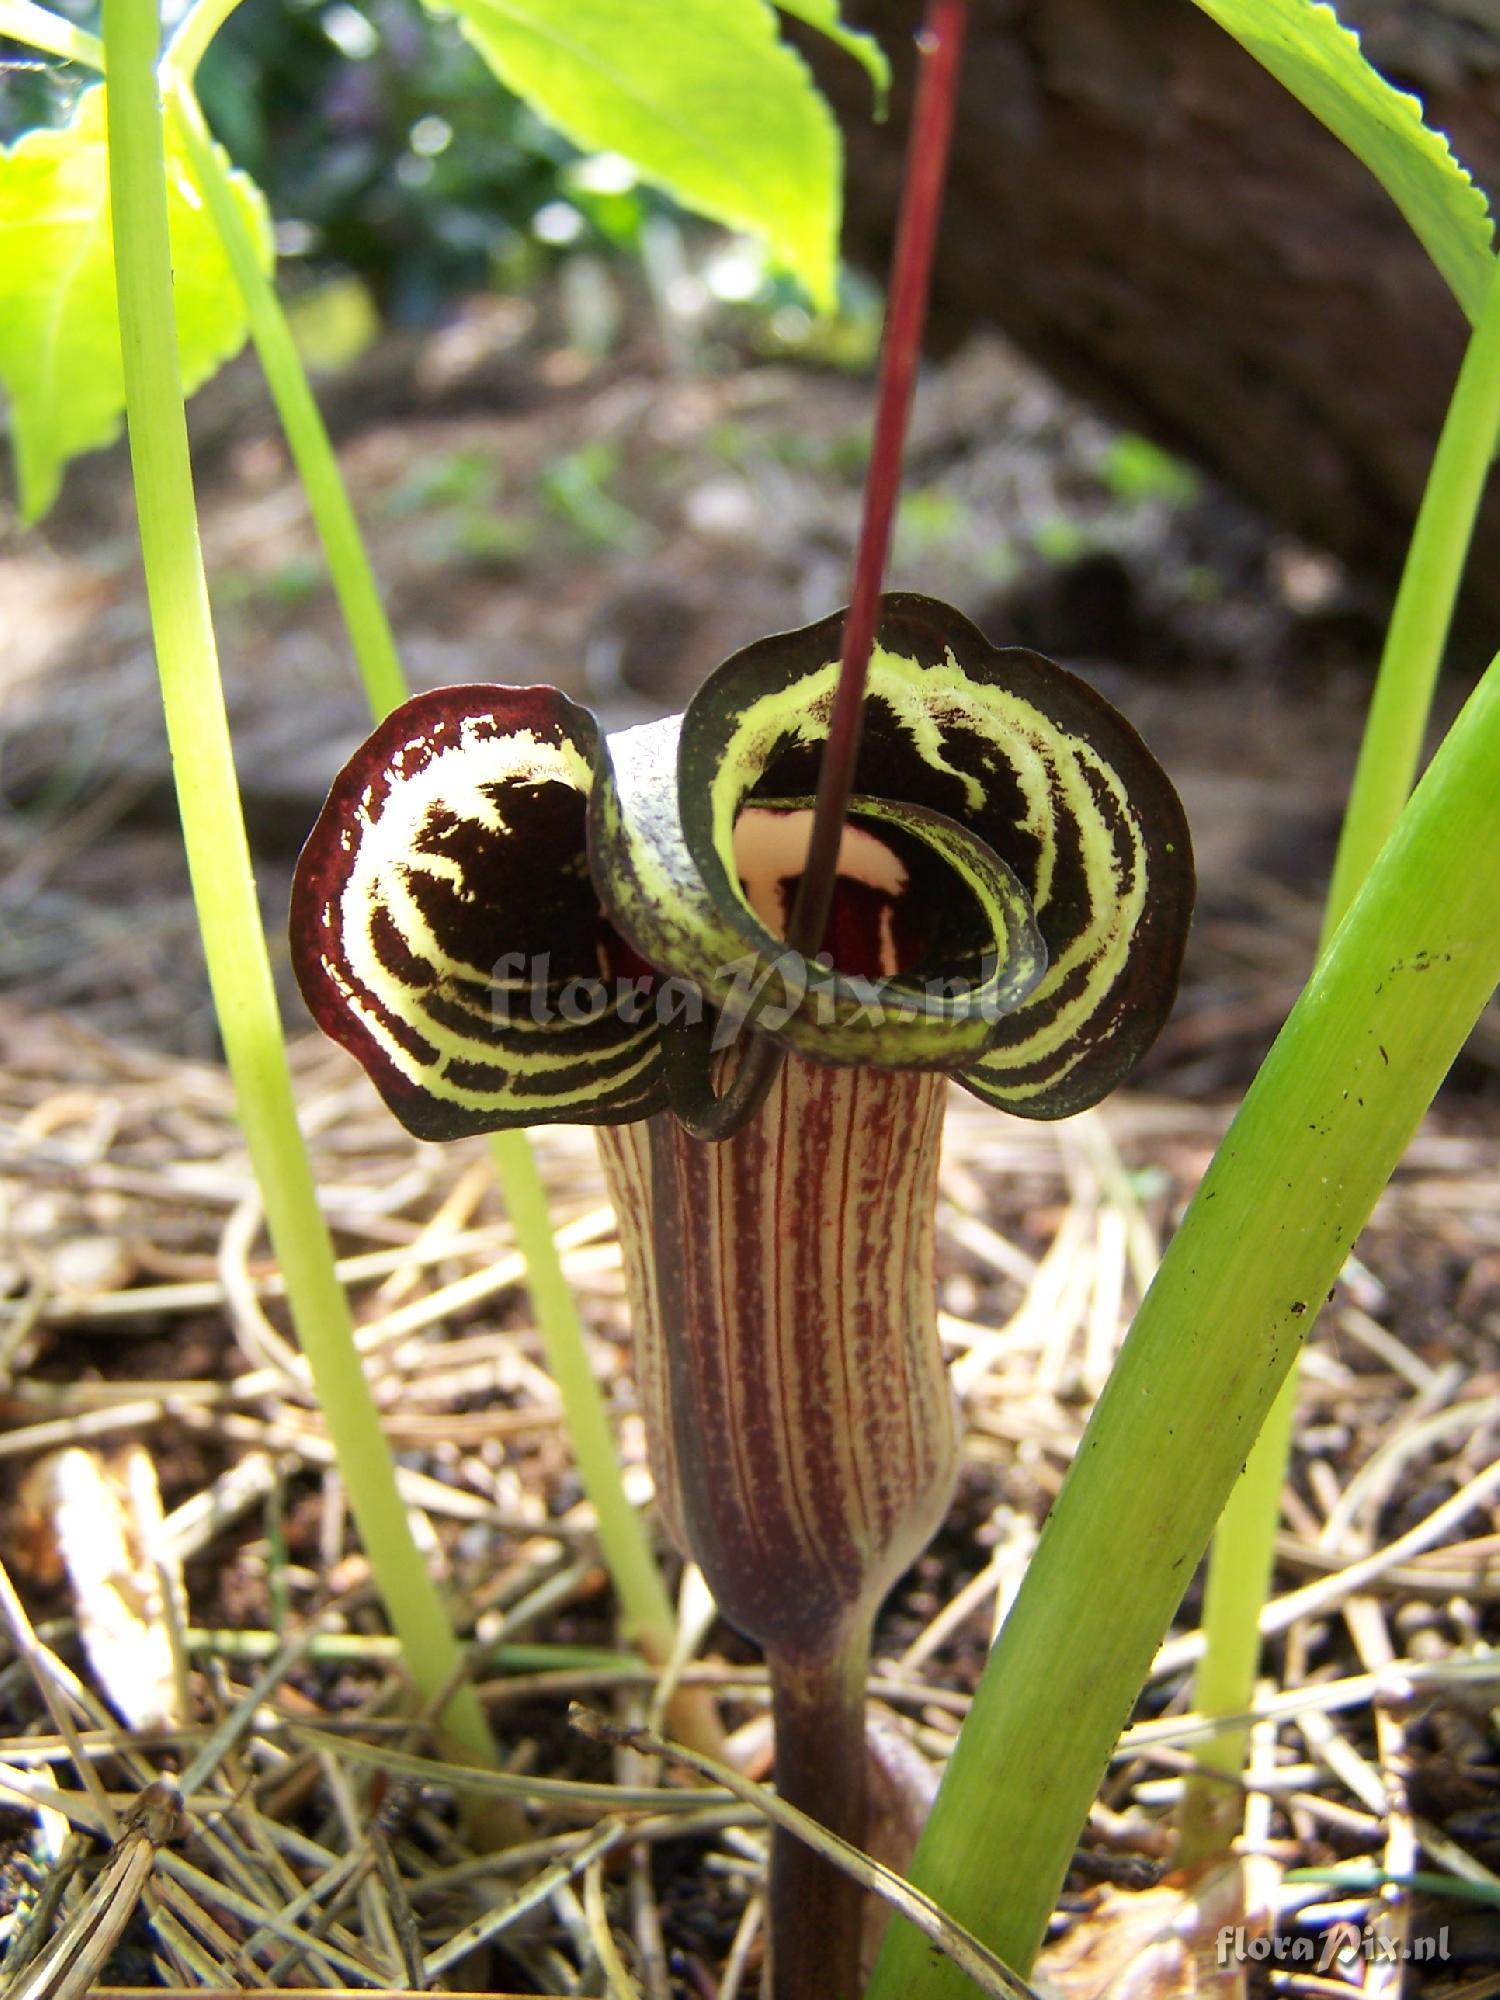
x: 183, y: 1596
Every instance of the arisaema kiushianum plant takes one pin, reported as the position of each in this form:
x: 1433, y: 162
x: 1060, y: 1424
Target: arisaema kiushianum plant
x: 713, y: 1284
x: 511, y: 918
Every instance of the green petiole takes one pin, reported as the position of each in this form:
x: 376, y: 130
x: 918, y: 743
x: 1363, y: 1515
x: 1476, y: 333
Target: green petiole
x: 307, y: 438
x: 39, y: 28
x: 647, y: 1610
x: 192, y: 35
x: 223, y: 882
x: 1242, y: 1555
x: 1320, y: 1132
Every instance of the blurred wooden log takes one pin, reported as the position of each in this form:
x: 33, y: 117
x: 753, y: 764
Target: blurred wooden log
x: 1152, y: 218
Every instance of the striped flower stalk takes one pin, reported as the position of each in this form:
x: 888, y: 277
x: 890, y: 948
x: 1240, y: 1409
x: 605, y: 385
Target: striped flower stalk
x: 511, y: 918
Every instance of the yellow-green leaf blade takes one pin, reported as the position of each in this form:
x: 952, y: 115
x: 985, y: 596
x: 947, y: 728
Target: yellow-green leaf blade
x: 1309, y: 50
x: 59, y: 330
x: 704, y: 99
x: 825, y: 17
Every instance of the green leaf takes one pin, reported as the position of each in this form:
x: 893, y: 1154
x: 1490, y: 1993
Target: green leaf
x: 703, y: 98
x: 1334, y: 1106
x: 59, y: 333
x: 824, y: 16
x: 1308, y: 49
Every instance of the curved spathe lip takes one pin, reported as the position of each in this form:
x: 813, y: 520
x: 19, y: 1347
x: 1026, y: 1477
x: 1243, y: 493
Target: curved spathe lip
x: 490, y: 872
x: 685, y: 912
x: 1032, y: 763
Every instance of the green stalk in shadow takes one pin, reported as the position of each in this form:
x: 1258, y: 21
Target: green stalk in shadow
x: 219, y: 860
x: 647, y: 1610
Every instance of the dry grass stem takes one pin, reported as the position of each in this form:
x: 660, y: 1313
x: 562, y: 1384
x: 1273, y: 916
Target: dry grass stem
x: 140, y: 1314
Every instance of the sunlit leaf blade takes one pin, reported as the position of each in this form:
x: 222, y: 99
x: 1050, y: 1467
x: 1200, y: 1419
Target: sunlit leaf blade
x: 702, y: 97
x: 59, y: 334
x: 1016, y: 754
x: 445, y: 930
x: 1308, y: 49
x: 824, y: 16
x: 1332, y: 1109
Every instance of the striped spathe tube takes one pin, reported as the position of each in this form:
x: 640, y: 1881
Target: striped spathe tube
x: 511, y: 918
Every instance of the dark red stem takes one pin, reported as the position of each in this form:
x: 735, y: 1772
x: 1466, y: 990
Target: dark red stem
x: 818, y: 1709
x: 939, y: 46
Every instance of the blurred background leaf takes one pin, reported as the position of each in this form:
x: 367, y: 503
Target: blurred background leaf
x: 719, y: 112
x: 389, y: 151
x: 824, y: 16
